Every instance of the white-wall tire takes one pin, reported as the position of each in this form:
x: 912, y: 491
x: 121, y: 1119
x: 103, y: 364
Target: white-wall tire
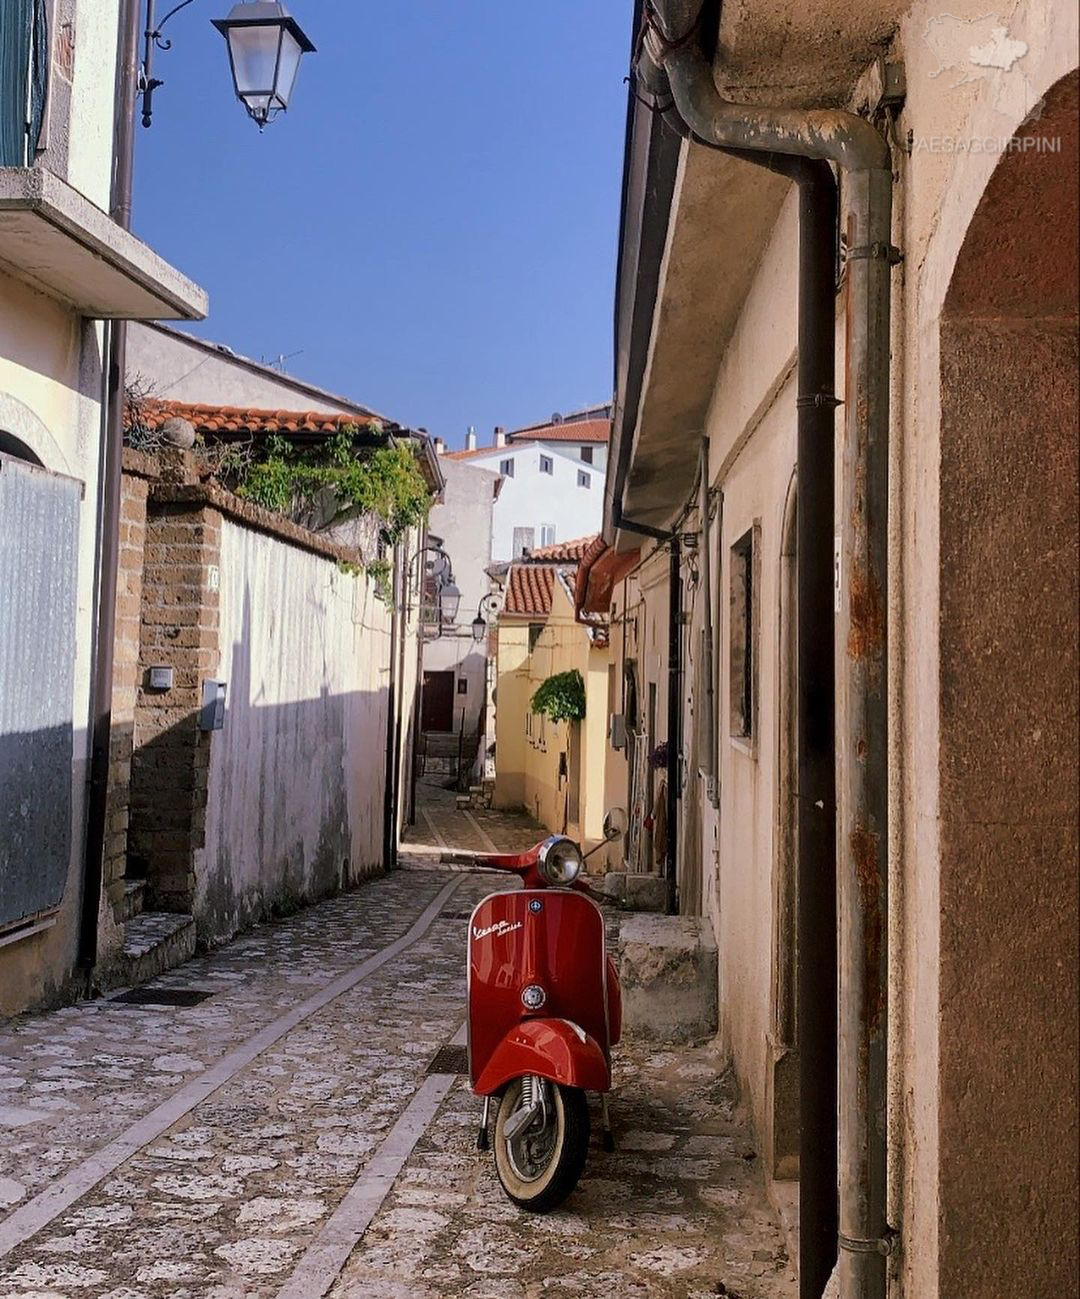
x: 569, y: 1115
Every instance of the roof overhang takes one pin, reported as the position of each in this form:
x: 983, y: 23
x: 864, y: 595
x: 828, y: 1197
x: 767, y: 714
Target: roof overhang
x: 56, y: 240
x: 695, y: 223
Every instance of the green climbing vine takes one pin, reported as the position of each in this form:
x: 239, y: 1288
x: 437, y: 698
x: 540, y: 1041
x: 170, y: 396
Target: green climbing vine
x: 561, y: 697
x: 331, y: 480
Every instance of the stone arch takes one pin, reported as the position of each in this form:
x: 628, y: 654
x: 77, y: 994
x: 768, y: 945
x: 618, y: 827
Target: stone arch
x: 20, y: 426
x: 1008, y: 739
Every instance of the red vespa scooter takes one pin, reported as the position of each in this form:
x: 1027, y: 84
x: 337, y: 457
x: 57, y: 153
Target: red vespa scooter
x: 545, y: 1010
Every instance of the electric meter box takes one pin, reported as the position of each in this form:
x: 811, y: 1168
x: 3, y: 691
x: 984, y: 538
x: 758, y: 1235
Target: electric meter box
x: 212, y: 712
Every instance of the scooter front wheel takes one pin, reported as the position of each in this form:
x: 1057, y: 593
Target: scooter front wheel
x: 539, y: 1160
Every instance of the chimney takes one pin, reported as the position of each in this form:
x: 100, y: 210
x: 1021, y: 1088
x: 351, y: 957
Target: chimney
x: 470, y: 438
x: 440, y: 446
x: 500, y: 436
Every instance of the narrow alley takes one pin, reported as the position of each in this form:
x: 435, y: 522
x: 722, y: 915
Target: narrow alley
x: 266, y: 1120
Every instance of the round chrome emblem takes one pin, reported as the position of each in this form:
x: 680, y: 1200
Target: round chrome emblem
x: 533, y: 997
x: 536, y: 905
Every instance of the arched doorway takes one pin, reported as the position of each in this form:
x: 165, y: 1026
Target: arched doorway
x: 1008, y: 731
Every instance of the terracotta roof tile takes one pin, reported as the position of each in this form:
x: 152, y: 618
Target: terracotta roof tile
x: 585, y: 430
x: 600, y: 571
x: 562, y: 552
x: 241, y: 419
x: 530, y: 590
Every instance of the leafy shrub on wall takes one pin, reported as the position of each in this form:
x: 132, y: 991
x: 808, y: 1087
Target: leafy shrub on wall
x: 561, y: 697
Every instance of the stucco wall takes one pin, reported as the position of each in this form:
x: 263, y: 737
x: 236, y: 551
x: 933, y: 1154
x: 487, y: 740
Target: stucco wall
x: 751, y: 423
x: 462, y: 521
x: 176, y: 367
x: 296, y: 778
x: 530, y: 499
x: 530, y: 746
x: 511, y: 703
x: 50, y: 384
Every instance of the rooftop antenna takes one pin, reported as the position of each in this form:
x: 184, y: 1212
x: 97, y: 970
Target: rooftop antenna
x: 278, y: 362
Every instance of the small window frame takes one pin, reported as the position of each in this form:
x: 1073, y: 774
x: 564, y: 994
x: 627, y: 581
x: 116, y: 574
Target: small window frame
x: 547, y: 465
x: 744, y: 612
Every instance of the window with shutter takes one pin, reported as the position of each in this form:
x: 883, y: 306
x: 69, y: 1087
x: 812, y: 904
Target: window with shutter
x: 24, y: 78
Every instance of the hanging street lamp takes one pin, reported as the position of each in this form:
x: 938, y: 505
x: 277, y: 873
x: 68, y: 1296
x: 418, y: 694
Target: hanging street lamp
x: 479, y: 629
x: 265, y: 47
x: 449, y: 602
x: 265, y: 42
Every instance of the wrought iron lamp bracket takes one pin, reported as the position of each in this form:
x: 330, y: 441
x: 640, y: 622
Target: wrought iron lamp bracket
x: 153, y: 39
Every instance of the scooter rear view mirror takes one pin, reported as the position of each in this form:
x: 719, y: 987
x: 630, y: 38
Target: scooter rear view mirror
x: 615, y: 824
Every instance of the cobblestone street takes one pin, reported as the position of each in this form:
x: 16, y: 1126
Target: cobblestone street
x: 282, y: 1135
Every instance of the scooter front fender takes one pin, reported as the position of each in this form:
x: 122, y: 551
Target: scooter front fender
x: 555, y: 1049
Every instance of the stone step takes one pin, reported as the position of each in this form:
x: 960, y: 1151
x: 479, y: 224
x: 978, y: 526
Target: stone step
x: 668, y: 972
x: 154, y: 942
x: 131, y: 904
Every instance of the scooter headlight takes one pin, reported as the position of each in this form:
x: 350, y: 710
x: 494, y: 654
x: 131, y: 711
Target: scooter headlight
x: 560, y: 860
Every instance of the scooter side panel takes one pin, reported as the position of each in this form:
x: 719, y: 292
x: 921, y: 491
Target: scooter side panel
x: 550, y: 937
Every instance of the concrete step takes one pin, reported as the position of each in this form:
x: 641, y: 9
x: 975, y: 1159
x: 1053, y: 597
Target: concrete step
x: 668, y: 972
x: 154, y: 942
x: 634, y: 891
x: 131, y: 904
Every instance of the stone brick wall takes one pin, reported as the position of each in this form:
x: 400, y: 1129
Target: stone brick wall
x: 171, y: 758
x: 138, y: 471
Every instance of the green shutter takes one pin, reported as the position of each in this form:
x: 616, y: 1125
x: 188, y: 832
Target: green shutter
x: 24, y: 78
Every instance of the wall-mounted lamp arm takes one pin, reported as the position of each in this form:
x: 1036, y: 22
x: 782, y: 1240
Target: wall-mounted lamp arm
x: 152, y: 38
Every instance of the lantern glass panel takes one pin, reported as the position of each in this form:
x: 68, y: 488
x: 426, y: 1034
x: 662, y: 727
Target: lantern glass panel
x: 288, y: 67
x: 254, y: 51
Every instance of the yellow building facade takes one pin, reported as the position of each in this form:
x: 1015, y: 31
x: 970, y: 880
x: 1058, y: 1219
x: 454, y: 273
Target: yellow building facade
x: 554, y: 770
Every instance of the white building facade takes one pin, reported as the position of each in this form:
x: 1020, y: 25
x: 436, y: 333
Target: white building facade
x: 553, y: 481
x: 67, y: 265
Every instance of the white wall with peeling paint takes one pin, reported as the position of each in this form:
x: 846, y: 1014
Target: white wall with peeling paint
x: 296, y: 783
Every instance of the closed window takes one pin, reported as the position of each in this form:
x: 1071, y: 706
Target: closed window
x: 547, y: 465
x: 506, y: 468
x: 524, y: 539
x: 24, y: 73
x: 586, y: 455
x: 743, y: 635
x: 584, y: 479
x: 547, y: 534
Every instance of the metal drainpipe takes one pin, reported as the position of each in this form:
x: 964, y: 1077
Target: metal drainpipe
x: 674, y: 736
x: 708, y: 662
x: 110, y: 460
x: 674, y: 726
x: 815, y: 712
x: 397, y: 592
x: 862, y: 766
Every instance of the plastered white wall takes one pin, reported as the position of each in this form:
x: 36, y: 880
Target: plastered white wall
x: 295, y: 803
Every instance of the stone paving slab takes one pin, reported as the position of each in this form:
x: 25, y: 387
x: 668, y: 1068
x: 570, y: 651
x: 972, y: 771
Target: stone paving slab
x: 440, y: 825
x: 224, y: 1202
x: 677, y: 1211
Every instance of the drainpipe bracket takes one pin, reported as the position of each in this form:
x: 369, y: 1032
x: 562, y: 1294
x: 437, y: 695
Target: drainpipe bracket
x: 877, y: 252
x: 817, y: 400
x: 885, y: 1245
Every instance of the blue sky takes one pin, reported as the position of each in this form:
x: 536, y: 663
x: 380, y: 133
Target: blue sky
x: 433, y: 224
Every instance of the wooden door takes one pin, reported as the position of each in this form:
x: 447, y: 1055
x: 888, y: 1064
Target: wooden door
x: 437, y: 702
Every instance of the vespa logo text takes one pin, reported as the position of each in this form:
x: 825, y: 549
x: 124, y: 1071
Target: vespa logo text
x: 500, y: 928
